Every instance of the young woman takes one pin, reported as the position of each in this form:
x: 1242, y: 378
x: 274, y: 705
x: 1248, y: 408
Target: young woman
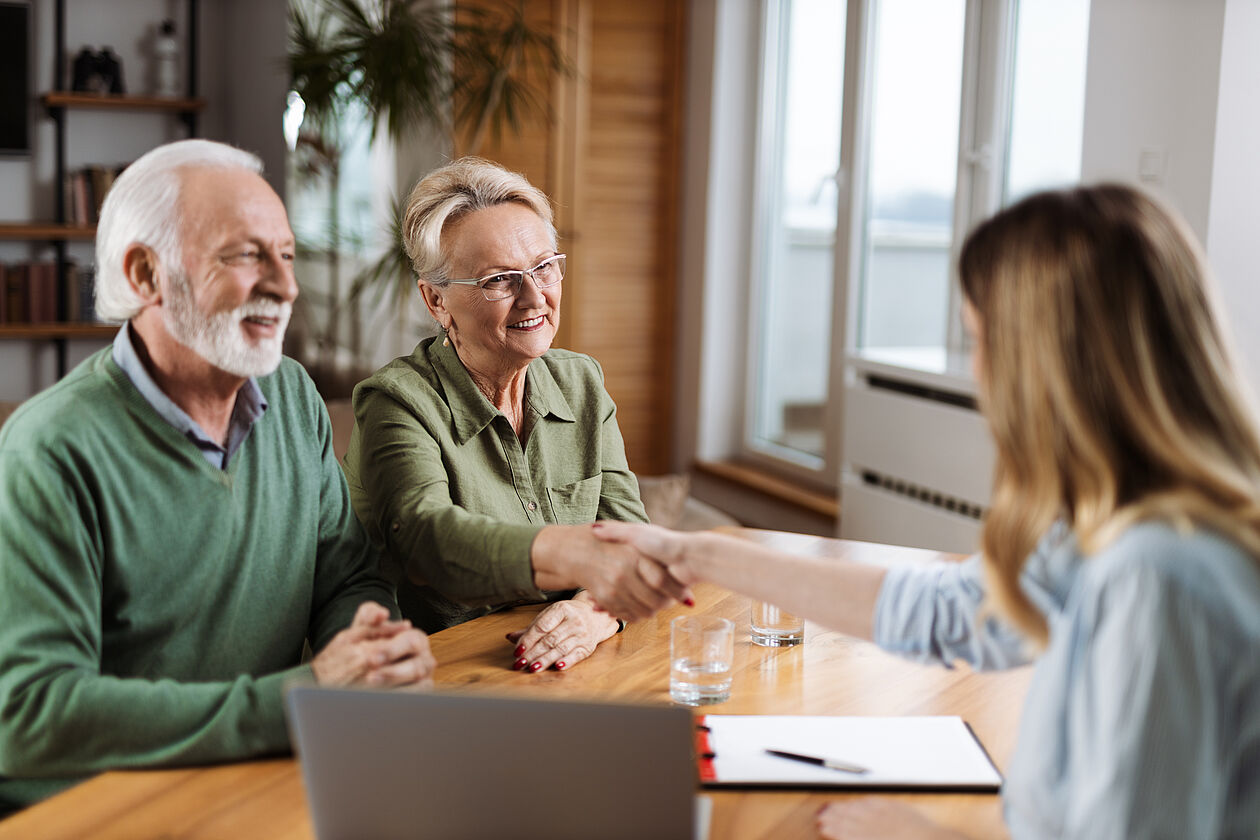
x: 1120, y: 549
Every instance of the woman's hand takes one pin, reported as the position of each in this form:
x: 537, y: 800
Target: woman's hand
x: 562, y: 635
x: 618, y: 578
x: 878, y: 819
x: 669, y: 548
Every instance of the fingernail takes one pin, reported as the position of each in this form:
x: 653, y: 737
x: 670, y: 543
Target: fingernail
x: 536, y: 666
x: 691, y: 602
x: 560, y: 666
x: 520, y: 649
x: 520, y: 663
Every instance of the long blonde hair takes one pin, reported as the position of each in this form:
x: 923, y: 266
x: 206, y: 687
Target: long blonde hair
x: 1109, y: 386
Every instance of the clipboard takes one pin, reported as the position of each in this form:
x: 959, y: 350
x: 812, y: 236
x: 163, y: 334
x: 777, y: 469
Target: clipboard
x: 930, y: 754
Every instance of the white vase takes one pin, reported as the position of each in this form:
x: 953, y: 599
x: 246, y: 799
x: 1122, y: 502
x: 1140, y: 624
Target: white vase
x: 166, y: 53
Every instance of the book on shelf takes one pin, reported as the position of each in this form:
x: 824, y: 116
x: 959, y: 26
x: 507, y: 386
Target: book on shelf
x: 85, y: 191
x: 42, y: 296
x: 15, y: 289
x: 81, y: 294
x: 34, y: 293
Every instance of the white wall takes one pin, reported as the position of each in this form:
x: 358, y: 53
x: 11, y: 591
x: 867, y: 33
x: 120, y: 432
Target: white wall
x: 1181, y: 78
x: 245, y: 67
x: 1234, y: 220
x: 1151, y: 84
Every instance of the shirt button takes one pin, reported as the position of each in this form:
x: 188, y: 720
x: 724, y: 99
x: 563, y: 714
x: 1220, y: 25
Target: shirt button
x: 395, y: 527
x: 532, y: 506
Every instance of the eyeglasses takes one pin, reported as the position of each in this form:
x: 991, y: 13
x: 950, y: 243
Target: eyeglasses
x: 506, y: 284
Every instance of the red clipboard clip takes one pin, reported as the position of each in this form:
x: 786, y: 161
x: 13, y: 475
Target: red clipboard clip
x: 704, y: 752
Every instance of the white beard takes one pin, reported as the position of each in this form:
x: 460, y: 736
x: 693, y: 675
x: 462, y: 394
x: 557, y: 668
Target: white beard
x: 217, y: 338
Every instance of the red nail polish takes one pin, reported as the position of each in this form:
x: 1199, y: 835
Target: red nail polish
x: 535, y: 666
x: 519, y: 664
x: 691, y: 602
x: 520, y: 649
x: 560, y: 666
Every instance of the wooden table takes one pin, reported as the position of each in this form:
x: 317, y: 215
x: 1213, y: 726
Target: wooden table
x: 829, y: 674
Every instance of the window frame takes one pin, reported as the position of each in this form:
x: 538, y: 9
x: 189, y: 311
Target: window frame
x: 984, y: 137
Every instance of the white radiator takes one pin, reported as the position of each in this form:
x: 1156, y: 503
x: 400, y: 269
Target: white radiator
x: 918, y: 461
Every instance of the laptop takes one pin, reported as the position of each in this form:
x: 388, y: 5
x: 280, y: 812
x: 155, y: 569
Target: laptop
x: 380, y: 765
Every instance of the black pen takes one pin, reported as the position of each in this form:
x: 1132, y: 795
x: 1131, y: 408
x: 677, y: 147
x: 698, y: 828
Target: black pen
x: 829, y: 763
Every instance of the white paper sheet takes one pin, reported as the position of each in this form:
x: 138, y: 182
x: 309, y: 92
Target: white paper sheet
x: 910, y: 752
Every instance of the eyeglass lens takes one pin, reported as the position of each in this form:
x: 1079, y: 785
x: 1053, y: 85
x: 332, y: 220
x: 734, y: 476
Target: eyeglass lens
x: 504, y: 285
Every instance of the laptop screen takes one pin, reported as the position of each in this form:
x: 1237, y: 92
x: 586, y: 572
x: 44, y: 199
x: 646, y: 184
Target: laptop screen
x: 392, y: 764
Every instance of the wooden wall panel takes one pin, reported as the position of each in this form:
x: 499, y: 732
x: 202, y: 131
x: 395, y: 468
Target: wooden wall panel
x: 607, y: 154
x: 529, y: 150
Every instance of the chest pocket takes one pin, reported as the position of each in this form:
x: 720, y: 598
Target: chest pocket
x: 576, y: 503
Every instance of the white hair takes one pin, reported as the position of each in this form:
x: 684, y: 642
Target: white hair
x: 449, y: 193
x: 143, y: 206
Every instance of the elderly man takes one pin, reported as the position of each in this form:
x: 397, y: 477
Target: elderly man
x: 173, y: 523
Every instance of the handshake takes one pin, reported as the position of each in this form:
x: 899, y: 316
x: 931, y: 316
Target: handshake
x: 630, y: 571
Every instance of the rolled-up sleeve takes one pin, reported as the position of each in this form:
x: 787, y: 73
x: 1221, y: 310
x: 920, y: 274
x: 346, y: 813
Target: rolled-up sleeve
x: 933, y: 614
x: 937, y: 613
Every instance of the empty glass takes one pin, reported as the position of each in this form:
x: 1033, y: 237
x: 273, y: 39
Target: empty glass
x: 772, y: 627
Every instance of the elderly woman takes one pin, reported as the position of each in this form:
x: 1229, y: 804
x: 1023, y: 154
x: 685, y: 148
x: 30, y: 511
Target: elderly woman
x: 1122, y: 544
x: 476, y: 460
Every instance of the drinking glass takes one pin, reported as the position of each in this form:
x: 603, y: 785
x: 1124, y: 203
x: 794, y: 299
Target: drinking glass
x: 772, y: 627
x: 701, y: 650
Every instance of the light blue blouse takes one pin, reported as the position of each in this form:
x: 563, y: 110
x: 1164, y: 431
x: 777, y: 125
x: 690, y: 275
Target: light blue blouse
x: 1143, y: 715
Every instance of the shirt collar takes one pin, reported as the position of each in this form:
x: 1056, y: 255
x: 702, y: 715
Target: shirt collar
x: 471, y: 412
x: 544, y: 396
x: 249, y: 407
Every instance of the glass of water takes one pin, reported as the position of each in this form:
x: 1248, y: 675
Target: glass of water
x: 701, y: 650
x: 772, y: 627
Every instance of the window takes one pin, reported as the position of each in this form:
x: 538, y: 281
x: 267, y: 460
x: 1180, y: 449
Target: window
x: 956, y: 108
x: 1048, y: 100
x: 793, y: 267
x: 916, y: 70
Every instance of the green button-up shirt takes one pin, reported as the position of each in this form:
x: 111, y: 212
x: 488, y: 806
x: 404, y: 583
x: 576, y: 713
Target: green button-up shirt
x: 439, y: 478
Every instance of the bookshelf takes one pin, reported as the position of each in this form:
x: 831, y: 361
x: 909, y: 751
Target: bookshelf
x: 58, y: 232
x: 46, y: 232
x: 46, y: 332
x: 69, y: 99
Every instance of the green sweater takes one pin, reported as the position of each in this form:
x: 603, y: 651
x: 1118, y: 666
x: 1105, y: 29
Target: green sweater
x: 152, y: 605
x: 442, y: 482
